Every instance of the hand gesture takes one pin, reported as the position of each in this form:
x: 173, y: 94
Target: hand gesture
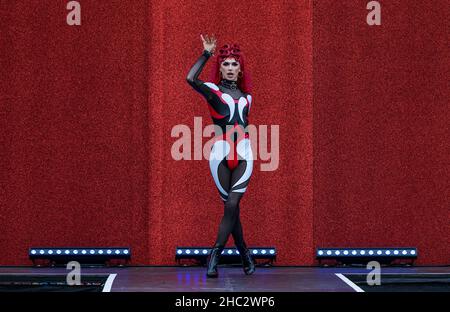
x: 209, y: 44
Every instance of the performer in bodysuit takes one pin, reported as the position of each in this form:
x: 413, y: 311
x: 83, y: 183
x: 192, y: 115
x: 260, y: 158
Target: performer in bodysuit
x: 231, y: 158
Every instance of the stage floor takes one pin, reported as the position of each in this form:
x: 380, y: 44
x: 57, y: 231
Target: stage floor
x: 265, y: 279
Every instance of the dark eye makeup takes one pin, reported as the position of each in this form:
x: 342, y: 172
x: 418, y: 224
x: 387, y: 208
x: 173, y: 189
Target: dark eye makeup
x: 228, y: 63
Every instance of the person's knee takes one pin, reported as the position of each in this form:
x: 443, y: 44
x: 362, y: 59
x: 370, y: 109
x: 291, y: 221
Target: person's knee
x: 232, y: 202
x: 232, y: 206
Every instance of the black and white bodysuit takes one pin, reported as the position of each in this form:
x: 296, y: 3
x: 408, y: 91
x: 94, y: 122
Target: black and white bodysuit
x: 231, y: 158
x: 229, y: 108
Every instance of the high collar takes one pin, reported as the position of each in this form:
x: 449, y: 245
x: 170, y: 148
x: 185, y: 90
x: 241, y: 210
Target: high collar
x: 229, y: 84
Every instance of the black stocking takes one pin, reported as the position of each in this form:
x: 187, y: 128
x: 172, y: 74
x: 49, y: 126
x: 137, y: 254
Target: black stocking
x: 230, y: 223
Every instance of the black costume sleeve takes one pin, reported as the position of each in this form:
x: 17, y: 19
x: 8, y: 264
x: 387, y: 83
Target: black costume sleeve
x: 194, y: 72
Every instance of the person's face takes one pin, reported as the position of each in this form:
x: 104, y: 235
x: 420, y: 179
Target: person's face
x: 230, y: 69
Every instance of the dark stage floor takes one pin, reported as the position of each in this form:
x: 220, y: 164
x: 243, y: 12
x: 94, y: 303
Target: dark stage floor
x: 266, y: 279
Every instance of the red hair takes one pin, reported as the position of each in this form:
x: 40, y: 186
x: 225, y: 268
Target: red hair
x: 228, y: 51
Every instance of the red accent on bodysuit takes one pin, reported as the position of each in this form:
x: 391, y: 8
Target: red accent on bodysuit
x: 214, y: 114
x: 232, y: 160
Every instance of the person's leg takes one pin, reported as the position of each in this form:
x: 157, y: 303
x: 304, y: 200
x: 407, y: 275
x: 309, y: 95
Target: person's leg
x: 221, y: 175
x: 224, y: 179
x: 237, y: 232
x: 219, y: 170
x: 240, y: 178
x: 230, y: 216
x: 231, y: 186
x: 231, y: 212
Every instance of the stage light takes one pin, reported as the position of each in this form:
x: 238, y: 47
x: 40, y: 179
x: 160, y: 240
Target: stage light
x: 90, y: 255
x: 361, y: 255
x: 200, y: 253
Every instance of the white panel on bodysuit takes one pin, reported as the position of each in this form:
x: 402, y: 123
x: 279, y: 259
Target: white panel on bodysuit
x: 249, y: 99
x: 241, y: 105
x: 219, y: 151
x: 230, y: 102
x: 212, y: 86
x: 244, y: 150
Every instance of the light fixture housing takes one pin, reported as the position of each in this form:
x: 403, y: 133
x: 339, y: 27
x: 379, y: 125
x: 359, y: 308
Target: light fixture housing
x: 86, y: 255
x: 363, y: 255
x: 227, y: 256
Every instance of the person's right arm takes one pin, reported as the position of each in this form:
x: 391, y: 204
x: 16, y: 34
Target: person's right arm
x: 194, y: 72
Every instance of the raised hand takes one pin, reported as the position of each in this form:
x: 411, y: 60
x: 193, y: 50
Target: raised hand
x: 209, y: 43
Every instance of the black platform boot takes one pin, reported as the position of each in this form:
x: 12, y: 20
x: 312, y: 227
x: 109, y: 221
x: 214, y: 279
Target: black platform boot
x: 213, y: 261
x: 247, y: 260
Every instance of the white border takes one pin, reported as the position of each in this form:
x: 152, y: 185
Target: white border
x: 109, y: 282
x: 349, y: 283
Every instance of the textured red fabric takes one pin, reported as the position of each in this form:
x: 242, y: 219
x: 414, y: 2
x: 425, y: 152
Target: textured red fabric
x: 74, y: 127
x: 185, y: 206
x: 87, y: 113
x: 381, y: 127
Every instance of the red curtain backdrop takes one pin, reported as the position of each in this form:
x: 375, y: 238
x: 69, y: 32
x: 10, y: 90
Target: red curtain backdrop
x: 74, y: 120
x: 87, y: 113
x: 381, y: 127
x: 185, y: 207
